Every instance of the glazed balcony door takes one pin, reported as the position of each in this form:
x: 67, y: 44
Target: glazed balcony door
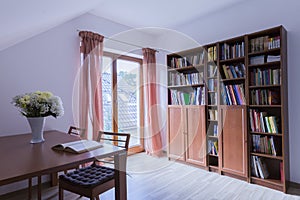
x: 122, y: 98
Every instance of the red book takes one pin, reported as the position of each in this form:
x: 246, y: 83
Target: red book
x: 281, y: 172
x: 233, y: 98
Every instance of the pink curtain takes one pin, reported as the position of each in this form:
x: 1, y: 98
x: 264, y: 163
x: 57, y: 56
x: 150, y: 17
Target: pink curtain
x: 153, y: 142
x: 90, y: 87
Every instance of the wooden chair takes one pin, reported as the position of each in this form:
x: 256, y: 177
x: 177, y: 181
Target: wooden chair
x: 112, y: 138
x: 100, y: 178
x: 80, y: 132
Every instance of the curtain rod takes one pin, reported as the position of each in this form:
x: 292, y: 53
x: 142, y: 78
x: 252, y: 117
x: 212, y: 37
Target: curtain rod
x: 127, y: 43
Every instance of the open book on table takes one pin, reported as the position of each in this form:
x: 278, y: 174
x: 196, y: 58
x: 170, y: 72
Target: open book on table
x: 79, y: 146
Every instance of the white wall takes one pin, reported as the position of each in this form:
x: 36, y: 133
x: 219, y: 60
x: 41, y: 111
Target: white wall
x: 249, y: 17
x: 49, y: 62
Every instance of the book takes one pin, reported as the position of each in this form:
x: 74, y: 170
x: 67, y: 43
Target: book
x: 78, y: 146
x: 215, y: 130
x: 262, y: 168
x: 225, y: 72
x: 271, y: 58
x: 254, y: 169
x: 281, y: 172
x: 256, y: 60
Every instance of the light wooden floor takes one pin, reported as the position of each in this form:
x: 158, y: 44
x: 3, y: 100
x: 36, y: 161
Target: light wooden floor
x: 159, y: 179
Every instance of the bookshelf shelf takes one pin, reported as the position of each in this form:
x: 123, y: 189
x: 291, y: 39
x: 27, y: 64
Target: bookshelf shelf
x: 269, y: 181
x: 270, y: 51
x: 233, y: 79
x: 276, y: 63
x: 214, y: 137
x: 181, y: 69
x: 267, y: 155
x: 185, y: 86
x: 238, y: 59
x: 265, y: 106
x: 263, y: 86
x: 240, y: 75
x: 214, y: 167
x: 263, y: 133
x: 212, y: 77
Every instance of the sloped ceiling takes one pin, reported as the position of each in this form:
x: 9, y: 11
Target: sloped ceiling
x: 21, y: 20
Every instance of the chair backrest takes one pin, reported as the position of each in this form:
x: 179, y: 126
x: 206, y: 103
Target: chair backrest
x: 80, y: 132
x: 117, y: 139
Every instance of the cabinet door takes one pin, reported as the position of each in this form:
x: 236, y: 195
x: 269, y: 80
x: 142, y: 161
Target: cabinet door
x: 176, y: 116
x: 196, y: 135
x: 234, y: 140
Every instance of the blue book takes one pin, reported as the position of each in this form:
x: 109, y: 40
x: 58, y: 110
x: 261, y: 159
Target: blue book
x: 233, y: 71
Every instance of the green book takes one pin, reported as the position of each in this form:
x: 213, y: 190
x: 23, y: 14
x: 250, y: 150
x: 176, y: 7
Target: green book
x: 186, y: 98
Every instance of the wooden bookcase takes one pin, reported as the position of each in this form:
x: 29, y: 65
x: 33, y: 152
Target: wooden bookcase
x: 232, y: 108
x: 186, y: 110
x: 268, y: 110
x: 241, y: 121
x: 212, y: 81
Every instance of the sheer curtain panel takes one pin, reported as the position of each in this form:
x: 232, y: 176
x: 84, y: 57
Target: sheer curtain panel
x: 90, y: 87
x: 153, y: 142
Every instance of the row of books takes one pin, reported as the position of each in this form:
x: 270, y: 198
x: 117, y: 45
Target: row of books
x: 212, y: 147
x: 212, y: 53
x: 271, y: 58
x: 264, y: 97
x: 213, y: 114
x: 233, y: 94
x: 264, y: 43
x: 263, y: 144
x: 212, y: 70
x: 212, y: 84
x: 259, y: 167
x: 237, y: 71
x: 213, y: 129
x: 261, y: 59
x: 274, y: 42
x: 212, y: 98
x: 186, y: 61
x: 197, y: 97
x: 256, y: 60
x: 185, y: 79
x: 229, y: 51
x: 260, y: 122
x: 265, y: 77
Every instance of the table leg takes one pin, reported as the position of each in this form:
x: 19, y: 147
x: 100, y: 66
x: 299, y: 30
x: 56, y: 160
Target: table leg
x: 39, y: 187
x: 120, y: 176
x: 54, y: 179
x: 29, y: 188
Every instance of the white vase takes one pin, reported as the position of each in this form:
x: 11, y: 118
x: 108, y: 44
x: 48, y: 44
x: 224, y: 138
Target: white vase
x: 37, y: 129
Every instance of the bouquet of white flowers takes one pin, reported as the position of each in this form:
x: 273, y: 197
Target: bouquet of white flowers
x: 39, y: 104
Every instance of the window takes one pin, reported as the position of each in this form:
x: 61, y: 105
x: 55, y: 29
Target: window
x: 121, y: 91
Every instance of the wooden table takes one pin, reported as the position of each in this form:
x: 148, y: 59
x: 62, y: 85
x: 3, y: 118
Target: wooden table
x: 21, y: 160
